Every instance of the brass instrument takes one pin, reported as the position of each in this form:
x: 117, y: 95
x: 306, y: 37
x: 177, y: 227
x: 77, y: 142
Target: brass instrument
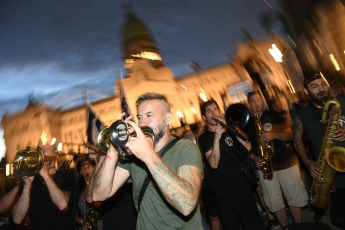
x: 231, y: 129
x: 27, y: 162
x: 331, y: 157
x: 238, y: 114
x: 93, y: 216
x: 118, y: 135
x: 266, y: 149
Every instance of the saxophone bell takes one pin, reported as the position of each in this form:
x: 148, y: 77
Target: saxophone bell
x: 331, y: 157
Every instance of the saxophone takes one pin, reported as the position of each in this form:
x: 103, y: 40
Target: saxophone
x: 266, y: 149
x: 330, y: 157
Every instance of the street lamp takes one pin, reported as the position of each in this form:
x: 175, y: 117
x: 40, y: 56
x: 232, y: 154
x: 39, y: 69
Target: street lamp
x: 276, y: 54
x: 278, y: 57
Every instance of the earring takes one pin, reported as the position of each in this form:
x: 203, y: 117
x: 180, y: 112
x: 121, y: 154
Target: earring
x: 168, y: 123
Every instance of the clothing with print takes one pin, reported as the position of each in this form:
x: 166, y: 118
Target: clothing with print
x: 232, y: 193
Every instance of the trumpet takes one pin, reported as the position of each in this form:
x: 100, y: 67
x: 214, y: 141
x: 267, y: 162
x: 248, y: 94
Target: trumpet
x: 28, y: 162
x: 117, y: 135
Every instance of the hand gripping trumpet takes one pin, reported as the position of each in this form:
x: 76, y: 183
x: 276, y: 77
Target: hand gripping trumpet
x: 117, y: 135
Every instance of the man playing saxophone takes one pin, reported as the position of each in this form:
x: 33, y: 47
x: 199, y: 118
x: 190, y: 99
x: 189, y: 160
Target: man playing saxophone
x: 285, y: 176
x: 308, y: 122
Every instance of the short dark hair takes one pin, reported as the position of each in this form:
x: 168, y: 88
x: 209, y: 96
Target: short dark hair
x: 81, y: 162
x: 309, y: 77
x: 205, y: 104
x: 153, y: 96
x: 252, y: 93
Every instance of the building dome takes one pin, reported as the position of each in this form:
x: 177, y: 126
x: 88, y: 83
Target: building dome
x: 135, y: 29
x: 138, y: 43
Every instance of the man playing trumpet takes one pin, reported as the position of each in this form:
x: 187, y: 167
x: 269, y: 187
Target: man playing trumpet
x: 46, y: 198
x: 171, y: 198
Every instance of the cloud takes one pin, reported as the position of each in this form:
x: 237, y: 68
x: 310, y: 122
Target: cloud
x: 51, y: 48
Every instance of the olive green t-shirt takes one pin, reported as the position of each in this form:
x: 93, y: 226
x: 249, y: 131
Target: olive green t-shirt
x: 155, y: 211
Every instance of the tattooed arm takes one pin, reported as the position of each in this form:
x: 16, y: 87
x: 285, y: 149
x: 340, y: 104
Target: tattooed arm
x: 180, y: 189
x: 108, y: 178
x: 91, y: 183
x: 213, y: 156
x: 299, y: 146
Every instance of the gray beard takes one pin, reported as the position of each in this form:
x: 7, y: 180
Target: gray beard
x: 159, y: 135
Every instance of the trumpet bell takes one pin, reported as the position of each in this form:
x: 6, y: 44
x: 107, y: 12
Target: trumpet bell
x: 27, y: 162
x: 103, y: 140
x: 119, y: 133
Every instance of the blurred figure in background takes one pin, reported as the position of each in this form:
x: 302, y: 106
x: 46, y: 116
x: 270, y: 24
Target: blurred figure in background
x: 85, y: 168
x: 46, y: 198
x: 286, y: 176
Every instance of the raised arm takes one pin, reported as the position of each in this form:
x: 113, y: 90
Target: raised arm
x: 7, y: 200
x: 213, y: 156
x: 108, y: 178
x: 180, y: 189
x: 59, y: 197
x: 21, y: 208
x: 90, y: 185
x: 300, y: 149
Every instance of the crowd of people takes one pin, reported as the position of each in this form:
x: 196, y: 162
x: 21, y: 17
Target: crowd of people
x: 175, y: 183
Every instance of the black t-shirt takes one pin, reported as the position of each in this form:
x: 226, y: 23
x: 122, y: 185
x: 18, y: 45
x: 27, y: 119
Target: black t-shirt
x: 119, y: 211
x: 43, y: 213
x: 283, y: 157
x: 228, y: 174
x: 310, y: 117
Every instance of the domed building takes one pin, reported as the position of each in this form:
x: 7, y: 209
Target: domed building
x: 226, y: 83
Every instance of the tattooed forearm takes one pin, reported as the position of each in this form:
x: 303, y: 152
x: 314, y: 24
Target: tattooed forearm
x: 297, y: 139
x: 180, y: 189
x: 98, y: 180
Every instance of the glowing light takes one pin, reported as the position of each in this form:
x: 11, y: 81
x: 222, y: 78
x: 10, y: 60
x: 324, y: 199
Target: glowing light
x: 179, y: 114
x: 183, y: 86
x: 148, y: 55
x: 53, y: 141
x: 335, y: 63
x: 323, y: 77
x: 203, y: 97
x: 292, y: 89
x: 60, y: 147
x: 276, y: 54
x: 7, y: 169
x: 44, y: 138
x: 193, y: 110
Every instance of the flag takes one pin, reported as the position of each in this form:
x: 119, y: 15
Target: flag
x: 94, y: 126
x: 124, y: 105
